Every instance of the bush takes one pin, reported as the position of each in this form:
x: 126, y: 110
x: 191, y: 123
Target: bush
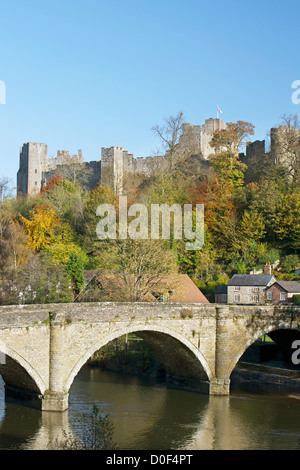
x: 296, y: 299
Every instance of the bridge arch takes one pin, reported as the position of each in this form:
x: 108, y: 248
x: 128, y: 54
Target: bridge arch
x: 259, y: 332
x: 17, y: 373
x: 154, y: 335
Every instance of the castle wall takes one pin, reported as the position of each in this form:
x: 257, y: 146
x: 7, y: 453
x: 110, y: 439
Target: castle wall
x: 121, y: 171
x: 282, y: 139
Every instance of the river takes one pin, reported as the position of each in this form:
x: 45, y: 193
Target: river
x: 147, y: 416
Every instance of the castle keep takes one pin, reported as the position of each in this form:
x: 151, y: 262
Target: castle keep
x: 118, y: 168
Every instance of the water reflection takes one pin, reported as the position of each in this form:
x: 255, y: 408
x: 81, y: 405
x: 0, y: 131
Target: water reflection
x: 146, y: 415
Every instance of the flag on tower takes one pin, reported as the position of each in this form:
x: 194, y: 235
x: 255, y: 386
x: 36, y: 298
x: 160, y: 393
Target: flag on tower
x: 219, y: 111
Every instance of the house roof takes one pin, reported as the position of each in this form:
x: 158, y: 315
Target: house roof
x: 221, y: 289
x: 250, y: 279
x: 181, y: 287
x: 289, y: 286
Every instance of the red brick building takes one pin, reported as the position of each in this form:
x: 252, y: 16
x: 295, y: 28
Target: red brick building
x: 282, y: 292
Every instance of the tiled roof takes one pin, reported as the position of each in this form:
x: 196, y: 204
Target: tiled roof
x: 222, y: 289
x: 183, y: 289
x: 250, y: 279
x: 290, y: 286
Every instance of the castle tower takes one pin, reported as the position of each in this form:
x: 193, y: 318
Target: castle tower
x: 112, y: 168
x: 196, y: 139
x: 33, y: 162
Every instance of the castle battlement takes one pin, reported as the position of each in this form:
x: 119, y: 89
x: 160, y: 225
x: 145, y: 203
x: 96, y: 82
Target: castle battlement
x: 117, y: 166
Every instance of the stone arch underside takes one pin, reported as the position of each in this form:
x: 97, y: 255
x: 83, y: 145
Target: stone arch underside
x: 282, y: 334
x: 21, y: 380
x: 178, y: 355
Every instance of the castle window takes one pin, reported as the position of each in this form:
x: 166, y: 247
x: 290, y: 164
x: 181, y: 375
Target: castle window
x: 35, y: 171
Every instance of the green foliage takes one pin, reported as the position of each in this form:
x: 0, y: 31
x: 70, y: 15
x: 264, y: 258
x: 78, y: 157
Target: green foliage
x: 75, y: 270
x: 296, y: 299
x: 289, y: 263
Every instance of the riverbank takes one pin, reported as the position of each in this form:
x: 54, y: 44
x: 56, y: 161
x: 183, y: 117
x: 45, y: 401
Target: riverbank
x: 268, y: 377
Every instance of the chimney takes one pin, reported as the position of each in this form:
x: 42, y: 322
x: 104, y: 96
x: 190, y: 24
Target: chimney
x: 268, y: 268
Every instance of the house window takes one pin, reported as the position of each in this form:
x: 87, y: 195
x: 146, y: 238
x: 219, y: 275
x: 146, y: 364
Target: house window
x: 237, y: 298
x: 224, y: 297
x: 255, y: 289
x: 255, y: 298
x: 237, y: 288
x: 282, y: 295
x: 270, y: 295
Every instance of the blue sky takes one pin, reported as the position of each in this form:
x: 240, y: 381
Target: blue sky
x: 90, y: 73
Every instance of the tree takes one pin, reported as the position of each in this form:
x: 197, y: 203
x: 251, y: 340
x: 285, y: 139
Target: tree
x: 232, y: 138
x: 286, y: 221
x: 138, y: 266
x: 289, y: 263
x: 40, y: 226
x: 100, y: 195
x: 67, y: 200
x: 75, y: 270
x: 170, y: 132
x: 5, y: 189
x: 229, y: 168
x: 14, y: 250
x: 36, y: 281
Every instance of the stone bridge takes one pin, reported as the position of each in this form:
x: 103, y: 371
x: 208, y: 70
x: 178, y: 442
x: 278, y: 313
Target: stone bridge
x: 44, y: 346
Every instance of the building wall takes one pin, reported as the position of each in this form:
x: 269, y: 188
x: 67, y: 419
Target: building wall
x: 248, y: 295
x: 221, y: 298
x: 276, y: 291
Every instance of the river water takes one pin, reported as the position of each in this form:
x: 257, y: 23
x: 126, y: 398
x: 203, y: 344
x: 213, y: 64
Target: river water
x: 147, y: 416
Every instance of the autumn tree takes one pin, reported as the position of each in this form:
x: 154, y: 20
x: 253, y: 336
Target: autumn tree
x: 14, y: 250
x: 233, y: 137
x: 40, y: 227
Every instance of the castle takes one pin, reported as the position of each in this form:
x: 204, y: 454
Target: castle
x: 118, y: 168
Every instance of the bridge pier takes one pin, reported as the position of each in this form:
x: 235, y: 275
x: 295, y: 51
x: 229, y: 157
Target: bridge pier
x: 56, y: 398
x: 54, y: 401
x: 220, y: 385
